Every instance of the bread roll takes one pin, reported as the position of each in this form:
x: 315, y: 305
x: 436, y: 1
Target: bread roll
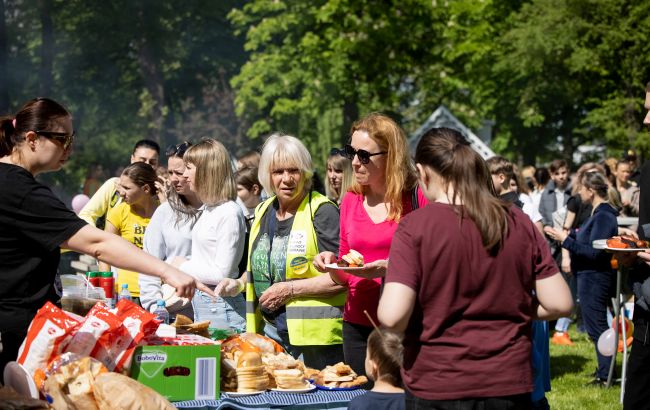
x: 116, y: 391
x: 249, y: 359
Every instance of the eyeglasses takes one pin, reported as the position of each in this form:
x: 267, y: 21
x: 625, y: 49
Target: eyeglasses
x: 177, y: 150
x: 364, y: 156
x: 65, y: 139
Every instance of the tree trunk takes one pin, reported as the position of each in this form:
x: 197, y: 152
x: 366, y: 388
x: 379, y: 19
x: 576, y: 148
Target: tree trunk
x: 350, y: 115
x: 47, y: 48
x: 4, y: 59
x: 153, y: 80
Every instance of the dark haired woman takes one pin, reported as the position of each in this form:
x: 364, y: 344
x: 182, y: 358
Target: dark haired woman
x: 169, y: 233
x: 460, y: 283
x: 130, y: 218
x: 34, y: 224
x: 596, y: 278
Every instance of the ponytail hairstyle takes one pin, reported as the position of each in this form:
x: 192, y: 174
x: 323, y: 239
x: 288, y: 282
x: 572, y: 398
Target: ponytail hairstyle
x: 36, y: 115
x: 142, y: 174
x: 450, y: 155
x: 598, y: 182
x: 585, y: 168
x: 400, y: 171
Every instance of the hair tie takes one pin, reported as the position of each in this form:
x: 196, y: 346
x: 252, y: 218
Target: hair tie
x: 13, y: 123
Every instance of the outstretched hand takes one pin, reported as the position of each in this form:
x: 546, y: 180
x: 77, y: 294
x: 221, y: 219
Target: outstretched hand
x: 229, y: 287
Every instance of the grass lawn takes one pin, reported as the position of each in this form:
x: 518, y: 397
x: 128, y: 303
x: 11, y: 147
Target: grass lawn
x: 571, y: 369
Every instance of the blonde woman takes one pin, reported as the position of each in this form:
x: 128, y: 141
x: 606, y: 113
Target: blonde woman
x: 217, y: 236
x: 300, y: 307
x: 339, y: 175
x: 384, y: 190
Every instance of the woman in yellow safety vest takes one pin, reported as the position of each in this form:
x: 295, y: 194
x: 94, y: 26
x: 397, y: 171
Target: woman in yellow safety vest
x: 287, y: 299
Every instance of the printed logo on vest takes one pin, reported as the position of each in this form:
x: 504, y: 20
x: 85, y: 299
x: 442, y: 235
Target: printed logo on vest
x: 297, y: 242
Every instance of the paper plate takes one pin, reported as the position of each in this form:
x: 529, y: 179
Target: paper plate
x: 334, y: 266
x: 310, y: 387
x: 242, y: 394
x: 17, y: 377
x: 599, y: 244
x: 319, y: 387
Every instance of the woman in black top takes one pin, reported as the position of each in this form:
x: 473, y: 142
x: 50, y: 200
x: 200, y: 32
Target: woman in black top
x: 34, y: 223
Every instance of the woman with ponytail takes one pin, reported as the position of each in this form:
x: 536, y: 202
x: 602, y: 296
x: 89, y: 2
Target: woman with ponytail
x: 460, y: 284
x: 35, y: 224
x: 592, y: 267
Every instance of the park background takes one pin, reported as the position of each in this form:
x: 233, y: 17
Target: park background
x: 543, y: 77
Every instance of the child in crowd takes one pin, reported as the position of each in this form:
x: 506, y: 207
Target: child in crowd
x: 383, y: 363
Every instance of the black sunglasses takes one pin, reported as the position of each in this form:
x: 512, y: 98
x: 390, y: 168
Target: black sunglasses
x: 177, y: 150
x: 364, y: 156
x: 65, y: 139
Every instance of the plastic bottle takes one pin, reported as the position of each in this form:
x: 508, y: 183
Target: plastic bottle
x: 124, y: 293
x: 161, y: 313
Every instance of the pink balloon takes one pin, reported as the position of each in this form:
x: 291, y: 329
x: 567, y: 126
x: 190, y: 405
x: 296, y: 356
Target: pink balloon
x: 78, y: 202
x: 607, y: 342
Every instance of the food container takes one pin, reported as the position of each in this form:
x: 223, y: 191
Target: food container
x: 94, y: 278
x: 79, y: 296
x: 107, y: 282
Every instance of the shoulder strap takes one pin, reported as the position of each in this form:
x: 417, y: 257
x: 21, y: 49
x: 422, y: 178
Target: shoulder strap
x: 414, y: 199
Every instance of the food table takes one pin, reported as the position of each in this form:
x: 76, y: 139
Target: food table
x: 318, y: 399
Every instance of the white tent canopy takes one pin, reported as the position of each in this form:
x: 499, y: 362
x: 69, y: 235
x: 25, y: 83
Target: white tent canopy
x: 443, y: 118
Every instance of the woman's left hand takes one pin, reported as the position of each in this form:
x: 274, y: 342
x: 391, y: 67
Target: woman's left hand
x: 555, y: 234
x: 276, y: 296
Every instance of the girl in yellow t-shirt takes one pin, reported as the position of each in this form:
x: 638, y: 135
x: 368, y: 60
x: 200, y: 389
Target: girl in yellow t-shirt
x: 130, y: 218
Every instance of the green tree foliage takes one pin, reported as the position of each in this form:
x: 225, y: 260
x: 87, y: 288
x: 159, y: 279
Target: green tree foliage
x: 127, y: 70
x: 551, y: 74
x: 315, y: 67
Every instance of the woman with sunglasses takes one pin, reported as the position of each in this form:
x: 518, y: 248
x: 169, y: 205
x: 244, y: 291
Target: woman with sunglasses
x: 34, y: 223
x: 339, y: 175
x: 169, y: 233
x: 383, y: 191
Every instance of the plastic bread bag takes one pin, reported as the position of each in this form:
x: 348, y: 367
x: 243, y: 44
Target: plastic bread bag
x: 49, y: 333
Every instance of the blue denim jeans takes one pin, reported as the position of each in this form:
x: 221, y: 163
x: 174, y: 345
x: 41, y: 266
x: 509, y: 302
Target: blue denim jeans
x: 223, y: 313
x: 595, y: 290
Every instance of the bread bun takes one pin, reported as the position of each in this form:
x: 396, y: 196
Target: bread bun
x: 249, y: 359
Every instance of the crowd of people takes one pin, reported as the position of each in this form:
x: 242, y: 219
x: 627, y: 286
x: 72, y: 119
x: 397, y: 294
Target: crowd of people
x: 465, y: 260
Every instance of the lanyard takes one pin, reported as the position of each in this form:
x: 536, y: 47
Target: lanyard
x: 271, y: 221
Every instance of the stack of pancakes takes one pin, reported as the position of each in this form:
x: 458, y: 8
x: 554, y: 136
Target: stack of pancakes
x: 289, y: 379
x: 251, y: 375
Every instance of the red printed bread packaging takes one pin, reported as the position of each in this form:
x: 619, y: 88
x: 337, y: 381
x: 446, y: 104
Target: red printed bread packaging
x: 48, y: 334
x: 101, y: 336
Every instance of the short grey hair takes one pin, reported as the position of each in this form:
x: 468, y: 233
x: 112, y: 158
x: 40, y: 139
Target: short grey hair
x: 282, y: 150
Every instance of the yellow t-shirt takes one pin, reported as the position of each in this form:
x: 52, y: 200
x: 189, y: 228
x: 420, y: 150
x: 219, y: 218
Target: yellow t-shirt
x: 131, y: 227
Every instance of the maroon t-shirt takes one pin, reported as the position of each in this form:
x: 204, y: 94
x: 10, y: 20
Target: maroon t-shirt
x: 469, y: 334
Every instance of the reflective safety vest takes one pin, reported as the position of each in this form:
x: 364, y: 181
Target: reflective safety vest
x: 310, y: 320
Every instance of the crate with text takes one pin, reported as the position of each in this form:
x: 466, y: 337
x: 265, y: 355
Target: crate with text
x: 179, y: 372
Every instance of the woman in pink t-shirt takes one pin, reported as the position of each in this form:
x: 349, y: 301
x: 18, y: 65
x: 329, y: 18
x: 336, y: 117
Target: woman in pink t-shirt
x: 384, y: 183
